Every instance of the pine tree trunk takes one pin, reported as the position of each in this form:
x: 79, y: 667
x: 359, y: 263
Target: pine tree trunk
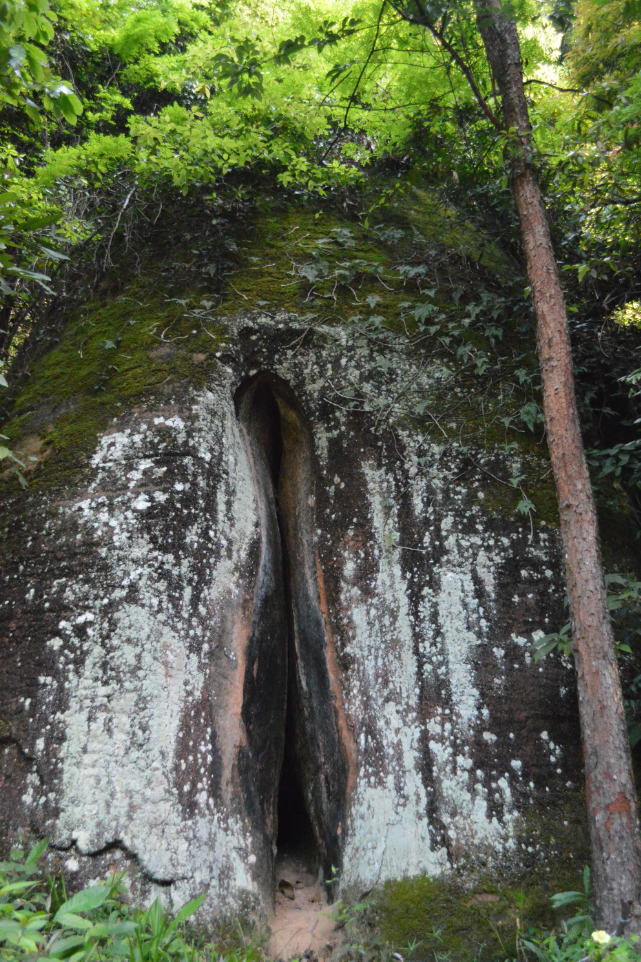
x: 610, y: 792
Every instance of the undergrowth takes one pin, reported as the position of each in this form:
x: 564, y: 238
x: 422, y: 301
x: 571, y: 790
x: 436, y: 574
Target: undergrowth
x: 431, y: 920
x: 38, y: 920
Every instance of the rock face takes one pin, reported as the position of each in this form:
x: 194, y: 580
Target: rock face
x: 259, y: 609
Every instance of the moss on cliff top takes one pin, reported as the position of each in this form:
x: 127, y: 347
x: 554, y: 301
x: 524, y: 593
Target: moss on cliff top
x: 166, y: 320
x: 112, y: 353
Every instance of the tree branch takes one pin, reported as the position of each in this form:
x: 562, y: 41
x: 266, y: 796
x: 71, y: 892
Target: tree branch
x: 364, y: 68
x: 569, y: 90
x: 107, y: 260
x: 546, y: 83
x: 439, y: 36
x: 618, y: 201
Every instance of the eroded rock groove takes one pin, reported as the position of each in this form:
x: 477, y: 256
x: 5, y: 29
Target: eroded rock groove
x: 291, y: 709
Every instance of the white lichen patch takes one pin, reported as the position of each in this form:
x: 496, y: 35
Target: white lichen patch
x: 140, y: 675
x: 391, y: 834
x: 430, y: 627
x: 389, y: 831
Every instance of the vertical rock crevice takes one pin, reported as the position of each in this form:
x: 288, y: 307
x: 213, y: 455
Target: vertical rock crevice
x: 297, y: 742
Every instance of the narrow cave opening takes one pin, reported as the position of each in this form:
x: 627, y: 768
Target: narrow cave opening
x: 266, y: 418
x: 295, y: 769
x: 295, y: 838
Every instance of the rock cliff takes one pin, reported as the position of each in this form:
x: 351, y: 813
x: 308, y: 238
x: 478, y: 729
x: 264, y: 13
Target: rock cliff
x: 269, y: 581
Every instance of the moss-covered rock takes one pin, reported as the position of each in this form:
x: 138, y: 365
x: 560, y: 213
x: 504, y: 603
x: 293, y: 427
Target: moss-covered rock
x: 167, y: 319
x: 427, y: 918
x: 403, y: 428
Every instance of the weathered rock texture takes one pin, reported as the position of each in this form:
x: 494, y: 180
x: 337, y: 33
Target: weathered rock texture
x: 254, y: 556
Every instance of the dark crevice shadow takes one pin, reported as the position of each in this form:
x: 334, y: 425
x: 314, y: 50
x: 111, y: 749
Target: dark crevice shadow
x: 266, y: 655
x: 296, y: 768
x: 296, y: 838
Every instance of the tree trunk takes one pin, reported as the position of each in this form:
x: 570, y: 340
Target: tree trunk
x: 610, y: 792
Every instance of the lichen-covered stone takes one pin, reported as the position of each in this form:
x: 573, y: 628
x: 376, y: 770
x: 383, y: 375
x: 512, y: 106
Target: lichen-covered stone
x: 129, y: 593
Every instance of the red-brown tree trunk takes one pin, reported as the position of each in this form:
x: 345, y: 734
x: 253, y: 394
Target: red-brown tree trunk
x: 610, y: 792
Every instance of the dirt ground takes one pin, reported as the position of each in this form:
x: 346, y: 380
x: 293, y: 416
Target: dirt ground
x: 302, y: 926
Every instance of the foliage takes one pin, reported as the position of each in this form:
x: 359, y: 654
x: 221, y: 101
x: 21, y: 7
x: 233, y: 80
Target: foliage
x: 624, y: 597
x: 624, y: 603
x: 37, y: 919
x: 25, y: 27
x: 224, y: 105
x: 575, y: 939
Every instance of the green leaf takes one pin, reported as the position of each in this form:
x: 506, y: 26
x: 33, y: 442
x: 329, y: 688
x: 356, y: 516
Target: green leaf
x: 69, y: 920
x: 74, y: 103
x: 35, y: 65
x: 32, y: 112
x: 531, y: 415
x: 13, y: 886
x: 37, y: 922
x: 31, y: 275
x: 423, y: 311
x: 566, y: 898
x: 122, y: 928
x: 538, y: 952
x: 543, y: 648
x: 84, y: 901
x: 583, y: 269
x: 586, y: 879
x: 68, y: 112
x: 40, y: 847
x: 616, y: 579
x: 190, y: 908
x: 156, y: 918
x: 63, y: 946
x: 54, y: 255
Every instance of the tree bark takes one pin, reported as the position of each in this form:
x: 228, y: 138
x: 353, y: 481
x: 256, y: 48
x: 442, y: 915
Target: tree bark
x: 610, y: 791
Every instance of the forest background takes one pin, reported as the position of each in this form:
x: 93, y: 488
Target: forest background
x: 112, y: 114
x: 115, y: 117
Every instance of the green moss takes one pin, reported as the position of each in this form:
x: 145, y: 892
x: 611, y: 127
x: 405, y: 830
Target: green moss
x: 150, y: 328
x: 453, y: 919
x: 111, y: 355
x: 298, y: 259
x: 444, y: 227
x: 502, y: 498
x: 434, y: 917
